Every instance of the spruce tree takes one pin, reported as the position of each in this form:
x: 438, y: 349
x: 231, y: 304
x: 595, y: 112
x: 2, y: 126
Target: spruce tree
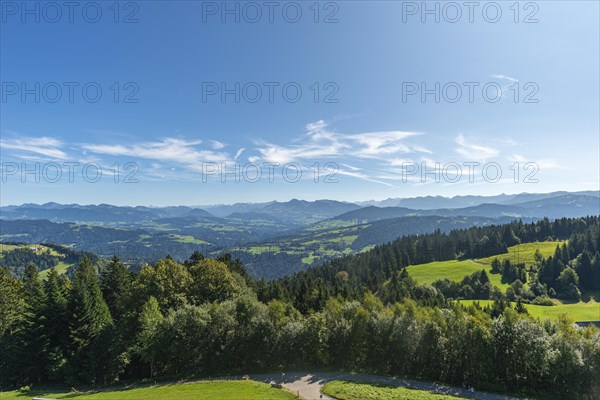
x: 29, y: 355
x: 585, y: 270
x: 12, y: 306
x: 12, y: 303
x: 115, y: 282
x: 595, y: 280
x: 89, y: 316
x: 56, y: 330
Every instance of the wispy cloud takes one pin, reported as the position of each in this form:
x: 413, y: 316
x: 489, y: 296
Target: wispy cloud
x: 238, y: 153
x: 542, y: 164
x: 383, y: 157
x: 505, y: 77
x: 216, y: 144
x: 44, y: 146
x: 505, y: 86
x: 362, y: 176
x: 319, y: 142
x: 474, y: 151
x: 168, y: 150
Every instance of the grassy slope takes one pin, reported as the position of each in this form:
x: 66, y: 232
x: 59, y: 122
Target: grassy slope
x: 453, y: 270
x: 61, y: 268
x: 6, y: 247
x: 581, y: 311
x: 211, y: 390
x: 456, y: 270
x: 188, y: 239
x: 360, y: 391
x: 523, y: 253
x: 39, y: 248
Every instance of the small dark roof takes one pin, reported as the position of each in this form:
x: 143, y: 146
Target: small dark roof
x: 583, y: 324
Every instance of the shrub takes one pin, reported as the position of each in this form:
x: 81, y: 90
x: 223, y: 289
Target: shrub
x: 542, y: 301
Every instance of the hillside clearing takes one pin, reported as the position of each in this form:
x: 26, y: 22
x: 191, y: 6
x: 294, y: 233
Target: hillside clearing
x: 61, y: 268
x: 524, y: 253
x: 453, y: 270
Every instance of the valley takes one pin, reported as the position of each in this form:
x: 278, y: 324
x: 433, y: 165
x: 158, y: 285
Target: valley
x: 382, y: 291
x: 272, y: 239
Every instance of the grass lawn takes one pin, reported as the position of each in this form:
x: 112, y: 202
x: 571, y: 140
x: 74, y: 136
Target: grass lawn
x: 523, y: 253
x: 581, y: 311
x: 208, y: 390
x: 344, y: 390
x: 453, y: 270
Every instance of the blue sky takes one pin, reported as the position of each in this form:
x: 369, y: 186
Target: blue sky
x: 360, y: 113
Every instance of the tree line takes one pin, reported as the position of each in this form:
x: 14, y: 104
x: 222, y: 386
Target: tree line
x: 48, y: 256
x: 373, y: 271
x: 206, y: 317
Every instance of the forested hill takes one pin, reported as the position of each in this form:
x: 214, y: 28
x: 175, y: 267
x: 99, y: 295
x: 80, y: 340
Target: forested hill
x: 15, y: 257
x: 206, y: 317
x: 272, y: 239
x: 369, y: 271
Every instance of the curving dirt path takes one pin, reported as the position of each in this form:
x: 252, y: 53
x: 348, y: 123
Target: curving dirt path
x: 308, y: 385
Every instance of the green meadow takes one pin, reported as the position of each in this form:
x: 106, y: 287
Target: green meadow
x: 61, y: 268
x: 581, y: 311
x: 524, y: 253
x: 453, y: 270
x: 208, y: 390
x: 187, y: 239
x: 345, y: 390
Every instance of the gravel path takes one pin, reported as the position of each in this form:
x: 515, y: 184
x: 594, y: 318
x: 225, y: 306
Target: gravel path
x: 308, y: 385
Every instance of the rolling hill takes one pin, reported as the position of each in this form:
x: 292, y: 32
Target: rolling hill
x: 274, y: 238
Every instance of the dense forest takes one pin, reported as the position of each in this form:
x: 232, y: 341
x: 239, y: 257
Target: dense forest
x: 574, y: 267
x: 16, y: 260
x: 360, y: 313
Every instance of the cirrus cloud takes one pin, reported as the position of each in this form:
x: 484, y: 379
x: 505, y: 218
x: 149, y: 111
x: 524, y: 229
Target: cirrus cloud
x: 168, y: 150
x: 474, y: 151
x: 44, y: 146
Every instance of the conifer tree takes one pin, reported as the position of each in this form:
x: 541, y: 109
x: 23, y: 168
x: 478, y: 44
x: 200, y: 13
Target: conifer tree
x: 31, y: 343
x: 12, y: 305
x: 11, y: 302
x: 583, y: 266
x: 115, y: 281
x: 89, y: 316
x: 56, y: 328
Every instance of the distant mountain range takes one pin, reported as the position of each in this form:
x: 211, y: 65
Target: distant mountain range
x: 274, y: 238
x: 436, y: 202
x: 569, y: 205
x: 301, y: 212
x: 297, y: 212
x: 102, y: 213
